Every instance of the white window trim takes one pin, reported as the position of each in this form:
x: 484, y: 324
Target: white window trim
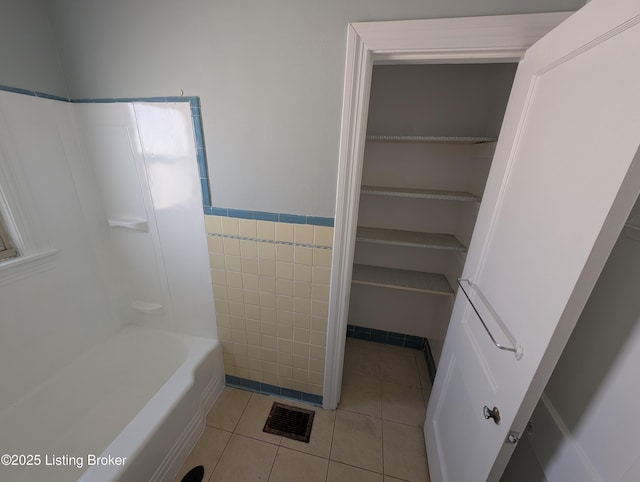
x: 20, y: 217
x: 7, y: 249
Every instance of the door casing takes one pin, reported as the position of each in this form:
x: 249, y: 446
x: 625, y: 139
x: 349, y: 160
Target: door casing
x: 491, y: 39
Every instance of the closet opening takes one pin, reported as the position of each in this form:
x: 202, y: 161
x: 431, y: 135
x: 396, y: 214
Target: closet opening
x: 494, y: 42
x: 430, y: 137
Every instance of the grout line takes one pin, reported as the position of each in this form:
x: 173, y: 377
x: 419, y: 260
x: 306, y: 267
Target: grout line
x: 359, y: 468
x: 274, y: 462
x: 243, y: 410
x: 333, y: 433
x: 210, y: 479
x: 233, y: 432
x: 269, y: 241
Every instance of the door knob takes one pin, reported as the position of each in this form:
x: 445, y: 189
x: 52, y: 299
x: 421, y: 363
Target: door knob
x: 492, y: 413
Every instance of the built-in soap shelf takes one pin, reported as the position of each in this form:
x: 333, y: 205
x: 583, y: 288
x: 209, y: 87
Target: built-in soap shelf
x: 147, y: 308
x: 138, y: 225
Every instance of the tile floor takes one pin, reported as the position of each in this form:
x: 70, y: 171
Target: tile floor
x: 374, y: 435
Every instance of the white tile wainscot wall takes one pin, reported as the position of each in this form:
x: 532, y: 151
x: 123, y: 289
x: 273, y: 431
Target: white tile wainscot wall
x: 271, y: 288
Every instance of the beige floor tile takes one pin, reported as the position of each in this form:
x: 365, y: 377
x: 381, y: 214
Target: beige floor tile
x: 364, y: 344
x: 245, y: 459
x: 393, y: 479
x: 403, y: 404
x: 228, y: 408
x: 361, y: 394
x: 399, y: 368
x: 405, y: 455
x: 357, y: 440
x: 398, y: 350
x: 254, y: 417
x: 294, y: 466
x: 363, y: 361
x: 207, y: 452
x: 321, y: 432
x: 346, y: 473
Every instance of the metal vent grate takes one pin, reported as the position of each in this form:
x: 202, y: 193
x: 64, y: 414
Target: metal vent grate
x: 291, y: 422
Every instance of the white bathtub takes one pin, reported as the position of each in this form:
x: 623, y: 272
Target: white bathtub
x: 141, y: 396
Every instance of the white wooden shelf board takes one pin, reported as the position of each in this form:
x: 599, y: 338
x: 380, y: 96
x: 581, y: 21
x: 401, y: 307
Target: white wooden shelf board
x: 409, y: 238
x: 403, y: 279
x: 419, y: 193
x: 432, y: 139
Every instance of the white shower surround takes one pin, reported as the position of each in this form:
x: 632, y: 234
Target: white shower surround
x: 87, y: 345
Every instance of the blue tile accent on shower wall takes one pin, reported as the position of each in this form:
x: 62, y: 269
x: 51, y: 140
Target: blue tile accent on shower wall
x: 197, y: 131
x: 206, y: 197
x: 202, y: 163
x: 17, y: 90
x: 33, y: 93
x: 52, y: 97
x: 232, y: 381
x: 201, y: 153
x: 119, y: 100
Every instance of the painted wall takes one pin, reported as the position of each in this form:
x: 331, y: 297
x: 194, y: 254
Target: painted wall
x: 28, y: 51
x: 269, y: 75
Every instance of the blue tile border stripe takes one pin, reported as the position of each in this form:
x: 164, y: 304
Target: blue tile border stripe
x: 265, y: 388
x: 275, y: 217
x: 118, y: 100
x: 431, y: 362
x: 33, y: 93
x: 201, y: 156
x: 397, y: 339
x: 268, y: 241
x: 386, y: 337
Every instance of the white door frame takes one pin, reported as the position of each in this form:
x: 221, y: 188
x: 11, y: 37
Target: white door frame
x: 493, y: 39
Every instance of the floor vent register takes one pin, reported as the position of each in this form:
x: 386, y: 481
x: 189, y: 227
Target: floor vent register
x: 291, y: 422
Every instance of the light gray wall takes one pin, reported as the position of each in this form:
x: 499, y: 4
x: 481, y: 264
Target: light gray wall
x: 269, y: 75
x: 28, y: 55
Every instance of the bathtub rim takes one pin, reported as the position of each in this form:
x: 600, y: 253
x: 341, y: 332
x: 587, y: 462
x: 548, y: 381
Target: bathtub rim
x: 137, y: 435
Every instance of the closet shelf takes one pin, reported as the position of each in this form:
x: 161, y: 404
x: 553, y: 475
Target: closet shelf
x: 419, y: 193
x: 409, y: 238
x: 402, y: 279
x: 432, y: 139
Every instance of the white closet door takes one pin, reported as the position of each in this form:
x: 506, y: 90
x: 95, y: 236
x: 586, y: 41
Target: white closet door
x: 568, y: 152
